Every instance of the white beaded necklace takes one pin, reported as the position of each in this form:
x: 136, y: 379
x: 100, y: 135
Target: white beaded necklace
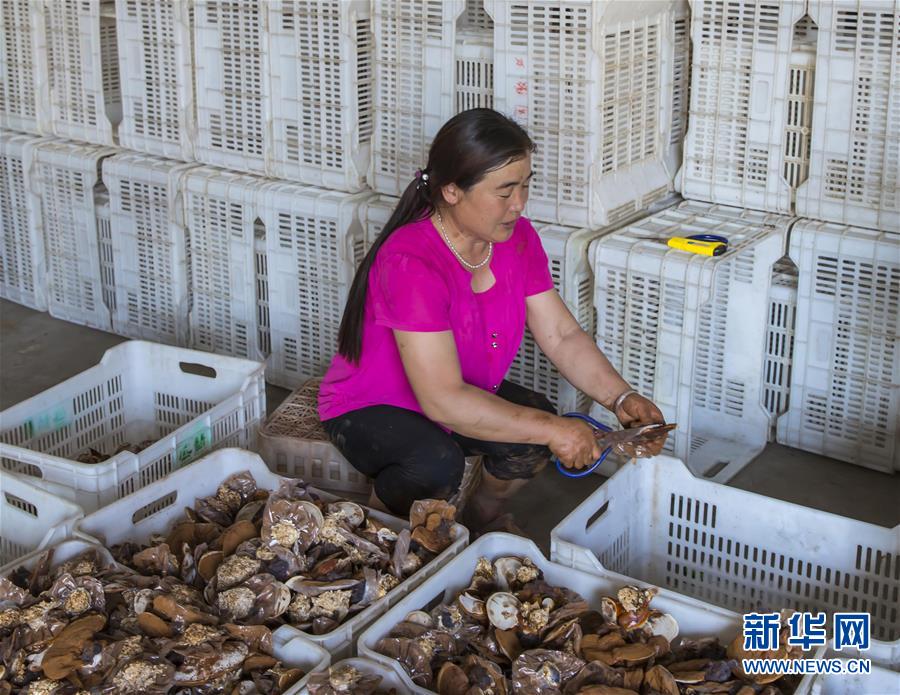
x: 470, y: 266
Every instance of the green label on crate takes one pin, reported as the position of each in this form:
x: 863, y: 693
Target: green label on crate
x: 50, y: 420
x: 192, y: 445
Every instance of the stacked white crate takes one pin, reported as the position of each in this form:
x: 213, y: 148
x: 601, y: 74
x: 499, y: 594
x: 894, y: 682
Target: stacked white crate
x: 157, y: 79
x: 845, y: 386
x: 63, y: 209
x: 855, y: 162
x: 594, y: 83
x: 320, y: 63
x: 221, y: 223
x: 415, y: 45
x: 271, y: 263
x: 689, y: 331
x: 148, y: 249
x: 374, y: 214
x: 80, y: 60
x: 314, y: 243
x: 22, y: 275
x: 232, y: 86
x: 23, y: 95
x: 743, y: 66
x: 567, y: 251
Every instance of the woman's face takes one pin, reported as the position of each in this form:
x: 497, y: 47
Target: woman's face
x: 489, y: 210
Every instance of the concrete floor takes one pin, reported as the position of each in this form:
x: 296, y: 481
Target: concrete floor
x: 38, y: 351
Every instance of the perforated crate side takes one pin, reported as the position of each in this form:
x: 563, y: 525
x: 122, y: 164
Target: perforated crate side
x: 149, y: 247
x: 81, y: 65
x: 414, y: 85
x: 845, y: 386
x: 566, y: 249
x: 23, y: 94
x: 732, y: 548
x: 22, y: 274
x: 222, y: 220
x: 855, y: 161
x: 314, y: 242
x: 594, y: 85
x: 321, y: 57
x: 176, y: 403
x: 156, y: 72
x: 63, y: 196
x: 781, y: 324
x: 474, y: 71
x: 232, y: 85
x: 734, y: 152
x: 690, y: 329
x: 374, y: 214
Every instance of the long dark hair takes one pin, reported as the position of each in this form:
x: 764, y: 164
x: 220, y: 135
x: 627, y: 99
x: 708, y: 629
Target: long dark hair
x: 467, y: 147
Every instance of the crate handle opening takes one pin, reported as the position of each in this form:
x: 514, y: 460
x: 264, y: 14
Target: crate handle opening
x: 155, y: 506
x: 197, y: 369
x: 22, y: 505
x: 595, y: 517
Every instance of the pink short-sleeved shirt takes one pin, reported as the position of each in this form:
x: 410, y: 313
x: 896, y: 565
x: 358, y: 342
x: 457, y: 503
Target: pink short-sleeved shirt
x: 416, y: 284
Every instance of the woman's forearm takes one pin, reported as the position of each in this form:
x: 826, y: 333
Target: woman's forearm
x: 585, y: 366
x: 473, y: 412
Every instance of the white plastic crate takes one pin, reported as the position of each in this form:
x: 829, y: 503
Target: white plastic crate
x: 22, y: 275
x: 288, y: 646
x: 148, y: 248
x: 23, y: 92
x: 474, y: 71
x: 415, y: 43
x: 186, y: 402
x: 391, y: 680
x: 731, y: 548
x: 314, y: 243
x: 31, y: 518
x: 689, y: 331
x: 745, y: 54
x: 845, y: 385
x: 567, y: 250
x: 232, y: 85
x: 855, y: 161
x: 80, y: 62
x: 155, y: 508
x: 475, y: 17
x: 157, y: 78
x: 226, y: 289
x: 695, y: 619
x: 594, y: 84
x: 374, y: 213
x: 781, y: 323
x: 64, y: 198
x: 321, y: 66
x: 880, y: 681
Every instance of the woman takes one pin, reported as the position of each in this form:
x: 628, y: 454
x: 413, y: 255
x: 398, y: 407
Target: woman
x: 434, y: 318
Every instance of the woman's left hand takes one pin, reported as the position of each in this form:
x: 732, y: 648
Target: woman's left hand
x: 636, y: 410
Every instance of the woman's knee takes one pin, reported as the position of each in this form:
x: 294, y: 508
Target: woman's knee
x: 435, y: 473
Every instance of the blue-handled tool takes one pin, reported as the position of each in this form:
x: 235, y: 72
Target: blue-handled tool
x: 597, y: 426
x: 641, y: 434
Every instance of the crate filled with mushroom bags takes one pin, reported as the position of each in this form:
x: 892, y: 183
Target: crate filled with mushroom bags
x: 255, y: 548
x: 501, y: 618
x: 73, y: 620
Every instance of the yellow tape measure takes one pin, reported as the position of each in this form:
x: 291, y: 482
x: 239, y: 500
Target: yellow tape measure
x: 704, y: 248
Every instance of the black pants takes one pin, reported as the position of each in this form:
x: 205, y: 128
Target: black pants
x: 411, y: 458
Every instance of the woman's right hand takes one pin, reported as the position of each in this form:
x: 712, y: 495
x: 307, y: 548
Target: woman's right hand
x: 573, y: 443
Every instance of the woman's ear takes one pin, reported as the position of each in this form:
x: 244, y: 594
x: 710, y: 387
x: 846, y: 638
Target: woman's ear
x: 451, y: 193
